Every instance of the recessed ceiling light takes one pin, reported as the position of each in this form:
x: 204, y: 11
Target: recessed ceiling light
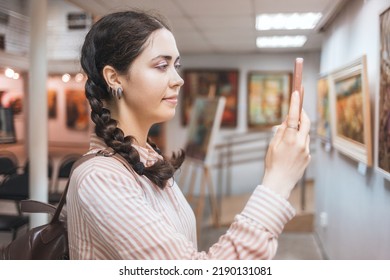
x: 287, y: 21
x: 9, y: 73
x: 281, y: 41
x: 66, y: 78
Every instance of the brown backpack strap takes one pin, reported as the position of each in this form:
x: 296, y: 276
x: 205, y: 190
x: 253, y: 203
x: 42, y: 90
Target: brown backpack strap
x: 34, y: 206
x: 61, y: 204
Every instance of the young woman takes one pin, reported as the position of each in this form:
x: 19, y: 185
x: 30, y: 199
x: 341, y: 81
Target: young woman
x: 129, y: 207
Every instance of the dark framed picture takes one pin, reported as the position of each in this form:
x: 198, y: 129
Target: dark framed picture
x: 7, y: 128
x: 77, y: 21
x: 157, y: 135
x: 52, y: 103
x: 211, y: 83
x: 268, y: 98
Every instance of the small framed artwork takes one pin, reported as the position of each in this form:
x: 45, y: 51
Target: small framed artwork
x: 268, y: 97
x: 7, y: 128
x: 52, y: 103
x: 211, y: 83
x: 157, y: 135
x: 77, y: 21
x: 383, y: 126
x: 351, y: 126
x: 77, y: 112
x: 204, y: 124
x: 323, y: 109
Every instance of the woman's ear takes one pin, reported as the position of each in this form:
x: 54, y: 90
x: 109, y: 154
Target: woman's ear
x: 111, y: 76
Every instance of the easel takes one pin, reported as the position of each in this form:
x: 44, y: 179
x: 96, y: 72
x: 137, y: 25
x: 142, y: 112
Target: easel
x: 206, y: 182
x: 206, y: 117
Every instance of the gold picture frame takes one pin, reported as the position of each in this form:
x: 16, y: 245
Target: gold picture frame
x: 350, y: 102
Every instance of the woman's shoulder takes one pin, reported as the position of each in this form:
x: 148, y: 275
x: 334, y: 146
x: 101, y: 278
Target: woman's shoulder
x: 103, y: 167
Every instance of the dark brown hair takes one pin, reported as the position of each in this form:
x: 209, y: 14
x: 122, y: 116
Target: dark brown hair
x: 116, y: 40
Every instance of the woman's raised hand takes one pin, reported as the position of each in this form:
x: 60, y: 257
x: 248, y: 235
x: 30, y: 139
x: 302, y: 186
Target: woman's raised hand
x: 288, y: 154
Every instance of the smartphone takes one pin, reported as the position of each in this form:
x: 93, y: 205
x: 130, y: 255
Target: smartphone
x: 297, y: 80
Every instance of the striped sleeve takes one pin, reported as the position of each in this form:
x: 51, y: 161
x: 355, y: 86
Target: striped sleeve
x: 114, y: 215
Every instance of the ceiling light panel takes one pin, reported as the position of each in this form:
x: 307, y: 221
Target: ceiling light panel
x: 289, y: 21
x: 281, y: 41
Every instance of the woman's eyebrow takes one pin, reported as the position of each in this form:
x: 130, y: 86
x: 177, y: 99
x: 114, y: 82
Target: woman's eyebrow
x: 167, y: 57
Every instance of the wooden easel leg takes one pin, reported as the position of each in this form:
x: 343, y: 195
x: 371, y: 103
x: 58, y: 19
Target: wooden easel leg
x: 183, y: 176
x: 200, y: 204
x: 190, y: 194
x: 213, y: 199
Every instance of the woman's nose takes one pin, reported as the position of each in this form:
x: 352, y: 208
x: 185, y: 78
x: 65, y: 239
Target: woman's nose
x: 176, y: 80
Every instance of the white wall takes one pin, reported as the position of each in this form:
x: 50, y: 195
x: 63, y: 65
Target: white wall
x: 357, y: 206
x: 63, y: 43
x: 245, y: 177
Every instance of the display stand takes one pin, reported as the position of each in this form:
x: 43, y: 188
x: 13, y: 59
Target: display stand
x: 205, y: 121
x: 191, y: 169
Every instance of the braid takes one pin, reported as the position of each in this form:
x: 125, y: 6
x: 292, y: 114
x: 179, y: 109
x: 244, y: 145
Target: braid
x: 107, y: 43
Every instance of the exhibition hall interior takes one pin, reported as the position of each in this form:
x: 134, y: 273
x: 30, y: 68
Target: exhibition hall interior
x: 237, y: 63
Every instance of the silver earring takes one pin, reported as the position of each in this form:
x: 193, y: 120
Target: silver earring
x: 119, y: 93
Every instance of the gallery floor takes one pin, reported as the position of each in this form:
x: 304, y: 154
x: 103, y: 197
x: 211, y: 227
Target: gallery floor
x: 298, y: 240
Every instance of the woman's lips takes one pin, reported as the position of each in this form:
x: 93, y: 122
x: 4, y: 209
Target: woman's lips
x: 171, y: 100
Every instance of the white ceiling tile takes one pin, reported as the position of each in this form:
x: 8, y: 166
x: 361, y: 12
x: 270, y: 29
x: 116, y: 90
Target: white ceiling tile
x: 180, y: 24
x: 215, y: 7
x: 283, y: 6
x: 224, y: 23
x: 220, y: 25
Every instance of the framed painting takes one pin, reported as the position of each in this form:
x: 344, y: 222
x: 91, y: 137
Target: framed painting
x: 211, y: 83
x: 157, y: 135
x: 204, y: 124
x: 268, y: 97
x: 323, y: 109
x: 383, y: 123
x: 52, y: 103
x: 77, y: 112
x: 351, y: 127
x: 7, y: 128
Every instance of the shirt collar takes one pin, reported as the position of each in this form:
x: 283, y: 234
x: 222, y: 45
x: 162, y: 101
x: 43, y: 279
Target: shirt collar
x: 148, y: 155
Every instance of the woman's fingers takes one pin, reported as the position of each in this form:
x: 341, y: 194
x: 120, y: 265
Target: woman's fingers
x: 304, y: 124
x: 293, y: 112
x: 292, y: 124
x: 278, y: 136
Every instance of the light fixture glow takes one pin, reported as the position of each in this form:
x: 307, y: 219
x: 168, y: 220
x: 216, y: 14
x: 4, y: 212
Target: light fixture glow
x: 66, y: 78
x: 281, y: 41
x: 9, y: 73
x: 289, y: 21
x: 15, y: 76
x: 79, y: 77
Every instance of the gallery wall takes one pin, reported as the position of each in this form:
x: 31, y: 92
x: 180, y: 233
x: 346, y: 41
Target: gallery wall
x: 65, y: 127
x: 62, y: 58
x: 245, y: 63
x: 353, y: 203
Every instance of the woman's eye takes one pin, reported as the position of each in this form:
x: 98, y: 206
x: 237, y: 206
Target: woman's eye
x: 162, y: 66
x: 177, y: 66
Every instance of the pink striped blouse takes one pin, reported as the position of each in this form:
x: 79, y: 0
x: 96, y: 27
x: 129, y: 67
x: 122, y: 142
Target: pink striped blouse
x: 116, y: 214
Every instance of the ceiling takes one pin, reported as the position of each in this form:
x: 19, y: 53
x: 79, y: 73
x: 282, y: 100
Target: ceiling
x: 223, y: 26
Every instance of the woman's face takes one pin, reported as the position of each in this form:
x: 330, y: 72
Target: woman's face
x: 151, y: 87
